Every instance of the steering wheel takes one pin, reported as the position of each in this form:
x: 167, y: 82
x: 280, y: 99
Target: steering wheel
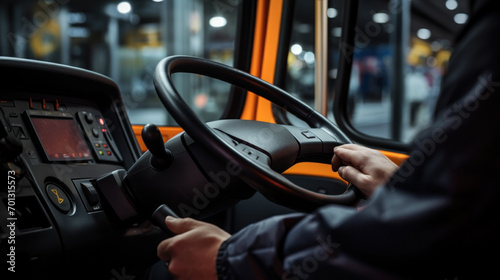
x: 260, y: 159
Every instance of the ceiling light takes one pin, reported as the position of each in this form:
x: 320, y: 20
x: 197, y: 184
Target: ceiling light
x: 424, y: 33
x: 337, y: 31
x: 124, y: 7
x: 303, y: 27
x: 78, y: 32
x: 296, y: 49
x: 461, y: 18
x: 380, y: 18
x: 309, y: 57
x: 218, y: 21
x: 76, y: 18
x: 332, y: 12
x: 451, y: 4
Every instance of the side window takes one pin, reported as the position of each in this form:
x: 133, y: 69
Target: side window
x: 422, y: 32
x: 125, y: 40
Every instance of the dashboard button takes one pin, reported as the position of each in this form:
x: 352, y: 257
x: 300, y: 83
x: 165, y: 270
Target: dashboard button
x: 7, y: 102
x: 95, y: 132
x: 308, y: 134
x: 19, y: 132
x: 59, y: 198
x: 89, y: 118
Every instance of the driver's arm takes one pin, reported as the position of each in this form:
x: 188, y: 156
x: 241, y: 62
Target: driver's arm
x: 367, y: 168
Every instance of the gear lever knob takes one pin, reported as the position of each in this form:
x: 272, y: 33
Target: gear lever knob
x: 161, y: 157
x: 159, y: 215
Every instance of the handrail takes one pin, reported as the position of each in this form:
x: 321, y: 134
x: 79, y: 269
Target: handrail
x: 321, y: 57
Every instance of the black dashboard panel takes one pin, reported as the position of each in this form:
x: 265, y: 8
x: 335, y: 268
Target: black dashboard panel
x: 73, y: 128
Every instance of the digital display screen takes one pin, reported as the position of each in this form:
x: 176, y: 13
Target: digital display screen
x: 61, y: 139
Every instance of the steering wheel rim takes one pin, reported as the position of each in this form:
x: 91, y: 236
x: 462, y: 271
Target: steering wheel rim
x: 270, y: 183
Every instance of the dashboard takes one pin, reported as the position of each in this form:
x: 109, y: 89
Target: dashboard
x: 73, y: 128
x: 71, y: 165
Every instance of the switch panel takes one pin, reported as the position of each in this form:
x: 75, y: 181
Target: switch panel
x: 97, y: 134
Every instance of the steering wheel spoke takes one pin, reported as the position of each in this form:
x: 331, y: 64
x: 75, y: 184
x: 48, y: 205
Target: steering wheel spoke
x: 316, y: 145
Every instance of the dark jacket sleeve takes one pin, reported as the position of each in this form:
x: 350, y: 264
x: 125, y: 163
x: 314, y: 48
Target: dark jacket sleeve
x: 256, y: 251
x: 382, y: 241
x: 436, y: 218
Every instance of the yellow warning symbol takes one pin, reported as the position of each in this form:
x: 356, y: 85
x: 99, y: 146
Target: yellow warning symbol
x: 59, y: 200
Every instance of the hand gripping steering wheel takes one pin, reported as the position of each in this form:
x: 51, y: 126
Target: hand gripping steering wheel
x: 261, y: 159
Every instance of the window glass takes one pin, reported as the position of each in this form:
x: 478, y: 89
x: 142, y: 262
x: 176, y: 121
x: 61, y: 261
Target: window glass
x: 300, y: 77
x: 299, y: 80
x: 370, y: 91
x: 125, y: 40
x: 432, y: 31
x: 424, y: 37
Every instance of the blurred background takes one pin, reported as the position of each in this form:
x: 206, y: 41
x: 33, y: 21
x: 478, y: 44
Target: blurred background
x: 125, y: 40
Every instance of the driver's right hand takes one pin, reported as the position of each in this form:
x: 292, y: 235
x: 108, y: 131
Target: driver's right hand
x: 366, y: 168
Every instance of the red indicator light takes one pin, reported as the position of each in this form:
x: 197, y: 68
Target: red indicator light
x: 101, y: 121
x: 104, y: 130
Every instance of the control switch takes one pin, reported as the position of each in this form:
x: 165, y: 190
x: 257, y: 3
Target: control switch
x: 90, y: 193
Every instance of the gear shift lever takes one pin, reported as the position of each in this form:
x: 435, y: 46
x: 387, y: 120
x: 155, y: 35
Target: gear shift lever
x: 160, y: 156
x: 159, y: 215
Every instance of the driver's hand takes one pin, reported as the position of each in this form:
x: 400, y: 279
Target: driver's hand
x: 192, y: 253
x: 366, y: 168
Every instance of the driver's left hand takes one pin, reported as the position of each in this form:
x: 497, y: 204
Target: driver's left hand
x: 192, y: 253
